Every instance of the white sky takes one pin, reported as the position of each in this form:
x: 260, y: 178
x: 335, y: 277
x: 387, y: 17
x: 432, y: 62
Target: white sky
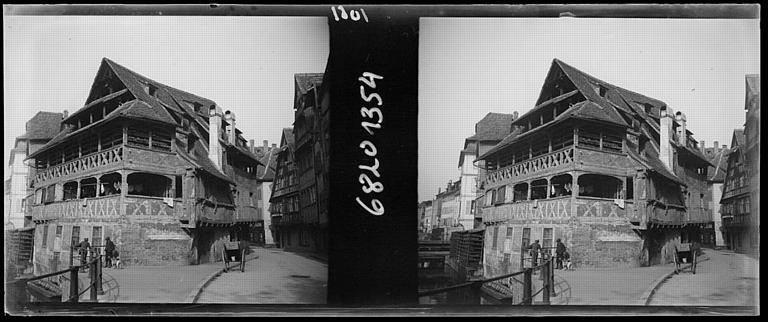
x: 245, y: 64
x: 471, y: 66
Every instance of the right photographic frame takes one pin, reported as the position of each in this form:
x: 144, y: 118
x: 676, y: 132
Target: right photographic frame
x: 589, y: 161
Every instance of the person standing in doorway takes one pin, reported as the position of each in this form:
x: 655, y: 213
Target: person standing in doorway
x: 535, y: 249
x: 559, y: 250
x: 84, y: 247
x: 108, y: 249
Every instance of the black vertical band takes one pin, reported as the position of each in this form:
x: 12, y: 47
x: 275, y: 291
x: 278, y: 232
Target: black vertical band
x: 373, y: 257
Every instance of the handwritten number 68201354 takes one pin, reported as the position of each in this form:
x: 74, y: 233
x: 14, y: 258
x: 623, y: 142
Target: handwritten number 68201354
x: 354, y: 15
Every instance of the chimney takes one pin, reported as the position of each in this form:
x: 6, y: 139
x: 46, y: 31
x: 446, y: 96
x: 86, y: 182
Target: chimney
x: 266, y: 144
x: 251, y: 143
x: 725, y: 147
x: 702, y: 146
x: 439, y: 190
x: 716, y: 145
x: 665, y: 136
x: 231, y: 133
x: 64, y: 116
x: 274, y: 145
x: 214, y: 126
x: 682, y: 135
x: 514, y: 115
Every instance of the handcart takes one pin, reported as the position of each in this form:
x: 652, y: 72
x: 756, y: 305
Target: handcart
x: 232, y: 252
x: 685, y: 253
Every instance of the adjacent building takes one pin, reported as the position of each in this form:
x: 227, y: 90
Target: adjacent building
x: 284, y: 199
x: 306, y: 228
x: 40, y: 129
x: 266, y: 175
x: 718, y: 157
x: 447, y: 203
x: 741, y: 198
x: 165, y: 173
x: 614, y: 174
x: 489, y: 131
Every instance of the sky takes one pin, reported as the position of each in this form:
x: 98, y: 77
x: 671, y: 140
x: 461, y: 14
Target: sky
x: 244, y: 64
x: 469, y: 67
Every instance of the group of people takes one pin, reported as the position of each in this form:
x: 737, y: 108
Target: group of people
x: 111, y: 254
x: 562, y: 257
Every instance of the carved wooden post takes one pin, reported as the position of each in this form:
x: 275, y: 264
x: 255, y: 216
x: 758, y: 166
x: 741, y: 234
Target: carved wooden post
x: 93, y: 275
x: 545, y: 270
x: 527, y: 284
x: 73, y: 285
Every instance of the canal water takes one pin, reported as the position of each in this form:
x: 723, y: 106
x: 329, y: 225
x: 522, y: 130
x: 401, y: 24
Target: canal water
x: 434, y: 278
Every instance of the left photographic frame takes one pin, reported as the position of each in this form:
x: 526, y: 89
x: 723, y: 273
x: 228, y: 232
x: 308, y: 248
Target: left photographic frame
x: 166, y: 159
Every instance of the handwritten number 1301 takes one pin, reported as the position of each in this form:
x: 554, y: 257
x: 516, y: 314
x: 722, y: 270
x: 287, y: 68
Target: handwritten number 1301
x: 353, y: 14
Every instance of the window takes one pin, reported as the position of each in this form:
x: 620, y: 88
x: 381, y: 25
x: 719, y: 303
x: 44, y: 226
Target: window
x: 539, y: 189
x: 70, y: 190
x: 500, y: 195
x: 526, y: 240
x: 495, y: 237
x: 630, y: 188
x: 599, y: 186
x: 50, y: 193
x: 589, y: 138
x: 45, y: 235
x: 148, y: 184
x: 612, y: 141
x: 96, y: 236
x: 75, y: 235
x: 55, y: 261
x: 161, y: 140
x: 138, y: 137
x: 520, y: 192
x: 88, y: 188
x: 547, y: 238
x: 508, y: 240
x: 58, y: 231
x: 179, y: 186
x: 561, y: 186
x: 110, y: 184
x: 111, y: 137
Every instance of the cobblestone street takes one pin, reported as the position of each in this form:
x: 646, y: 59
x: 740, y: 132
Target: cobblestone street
x: 275, y: 277
x: 726, y: 279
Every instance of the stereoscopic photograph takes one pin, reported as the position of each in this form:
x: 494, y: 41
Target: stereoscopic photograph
x: 166, y: 159
x: 605, y: 161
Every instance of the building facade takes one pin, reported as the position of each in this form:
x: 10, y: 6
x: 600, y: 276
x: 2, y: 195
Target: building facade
x: 489, y: 131
x: 266, y: 176
x: 740, y: 203
x: 40, y: 129
x: 162, y: 172
x: 448, y: 219
x: 718, y: 157
x: 307, y: 230
x: 612, y: 173
x: 284, y: 199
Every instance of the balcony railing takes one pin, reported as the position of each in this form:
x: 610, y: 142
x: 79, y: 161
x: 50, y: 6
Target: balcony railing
x: 536, y: 164
x: 92, y: 161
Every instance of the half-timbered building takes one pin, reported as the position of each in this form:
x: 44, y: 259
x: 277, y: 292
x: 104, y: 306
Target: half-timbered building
x: 164, y: 173
x: 612, y: 173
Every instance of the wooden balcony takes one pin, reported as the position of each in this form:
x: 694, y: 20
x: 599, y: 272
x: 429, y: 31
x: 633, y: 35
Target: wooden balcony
x: 528, y: 168
x: 112, y: 207
x: 586, y: 209
x: 97, y: 160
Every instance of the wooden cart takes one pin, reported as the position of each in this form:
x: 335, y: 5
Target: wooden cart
x: 231, y: 253
x: 686, y: 253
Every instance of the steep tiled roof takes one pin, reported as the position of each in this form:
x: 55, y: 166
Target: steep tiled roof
x: 753, y: 88
x: 493, y: 127
x: 719, y: 159
x: 305, y: 81
x: 288, y: 135
x: 43, y: 126
x: 738, y: 134
x: 269, y: 159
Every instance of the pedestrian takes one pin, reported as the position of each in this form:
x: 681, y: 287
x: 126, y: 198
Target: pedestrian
x: 567, y: 261
x: 116, y: 259
x: 84, y: 247
x: 108, y: 249
x: 559, y: 250
x: 535, y: 249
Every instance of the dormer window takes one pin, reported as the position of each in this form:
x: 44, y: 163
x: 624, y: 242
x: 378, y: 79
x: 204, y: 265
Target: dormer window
x: 150, y: 89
